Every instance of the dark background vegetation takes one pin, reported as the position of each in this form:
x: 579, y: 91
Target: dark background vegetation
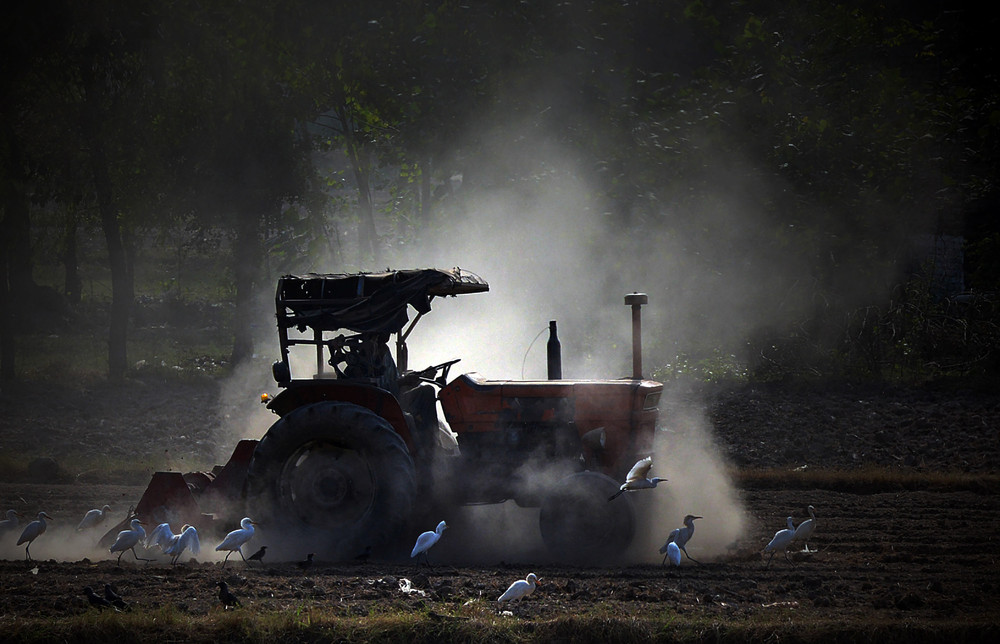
x: 161, y: 162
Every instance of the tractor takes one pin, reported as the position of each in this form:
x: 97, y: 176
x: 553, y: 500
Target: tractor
x: 363, y: 446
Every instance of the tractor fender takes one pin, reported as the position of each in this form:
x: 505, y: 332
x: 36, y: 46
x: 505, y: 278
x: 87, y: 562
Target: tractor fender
x: 307, y: 392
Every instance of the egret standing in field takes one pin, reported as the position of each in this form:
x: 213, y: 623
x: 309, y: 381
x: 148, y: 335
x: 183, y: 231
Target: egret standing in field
x: 680, y: 537
x: 32, y: 531
x: 186, y: 540
x: 428, y: 539
x: 93, y: 518
x: 781, y: 541
x: 12, y: 521
x: 128, y: 540
x: 519, y: 590
x: 806, y: 528
x: 234, y: 540
x: 637, y: 478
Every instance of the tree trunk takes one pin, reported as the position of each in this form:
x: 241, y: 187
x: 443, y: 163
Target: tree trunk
x: 425, y: 190
x: 361, y: 167
x: 122, y: 290
x: 15, y: 251
x: 7, y: 371
x: 247, y: 258
x: 71, y: 261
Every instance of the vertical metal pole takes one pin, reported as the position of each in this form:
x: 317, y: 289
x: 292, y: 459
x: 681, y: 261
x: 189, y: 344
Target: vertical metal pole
x: 318, y: 339
x: 636, y: 300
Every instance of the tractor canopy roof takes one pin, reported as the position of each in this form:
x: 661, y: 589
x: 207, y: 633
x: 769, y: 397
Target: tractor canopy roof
x: 366, y: 302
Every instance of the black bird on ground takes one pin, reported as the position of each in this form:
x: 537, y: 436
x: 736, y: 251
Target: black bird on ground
x: 226, y: 596
x: 306, y: 563
x: 259, y: 555
x: 95, y: 599
x: 114, y: 598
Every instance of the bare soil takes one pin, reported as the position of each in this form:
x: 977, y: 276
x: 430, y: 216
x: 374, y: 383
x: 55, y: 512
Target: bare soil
x: 922, y: 558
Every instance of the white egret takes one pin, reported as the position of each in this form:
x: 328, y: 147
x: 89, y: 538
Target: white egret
x: 806, y: 528
x: 673, y: 552
x: 128, y: 540
x: 637, y: 478
x: 93, y: 518
x: 186, y: 540
x: 32, y: 531
x: 234, y: 540
x: 12, y: 521
x: 428, y: 539
x: 681, y: 536
x: 161, y: 536
x: 519, y: 589
x: 781, y: 541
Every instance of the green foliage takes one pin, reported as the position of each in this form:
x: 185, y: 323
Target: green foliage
x: 276, y: 131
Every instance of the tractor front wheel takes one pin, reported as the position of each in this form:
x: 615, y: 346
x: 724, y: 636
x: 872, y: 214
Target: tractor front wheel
x: 580, y: 525
x: 331, y: 478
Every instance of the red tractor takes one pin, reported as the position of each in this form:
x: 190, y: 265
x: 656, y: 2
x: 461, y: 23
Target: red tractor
x: 360, y: 450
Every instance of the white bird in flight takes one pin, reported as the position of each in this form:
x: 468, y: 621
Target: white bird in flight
x: 186, y: 540
x: 636, y: 479
x: 680, y: 537
x: 32, y: 531
x: 12, y: 521
x: 128, y: 540
x: 519, y: 589
x: 234, y: 540
x: 428, y: 539
x: 93, y: 518
x: 806, y: 528
x: 781, y: 541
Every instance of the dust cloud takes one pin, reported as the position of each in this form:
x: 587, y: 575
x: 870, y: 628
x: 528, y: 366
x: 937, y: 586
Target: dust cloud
x: 550, y: 251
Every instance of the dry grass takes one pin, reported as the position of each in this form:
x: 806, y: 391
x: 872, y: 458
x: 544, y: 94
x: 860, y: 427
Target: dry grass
x: 170, y: 625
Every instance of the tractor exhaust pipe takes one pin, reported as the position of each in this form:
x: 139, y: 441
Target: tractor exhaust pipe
x: 636, y: 300
x: 554, y: 353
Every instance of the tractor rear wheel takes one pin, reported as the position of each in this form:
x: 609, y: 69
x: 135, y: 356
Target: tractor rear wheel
x: 331, y: 478
x: 580, y: 525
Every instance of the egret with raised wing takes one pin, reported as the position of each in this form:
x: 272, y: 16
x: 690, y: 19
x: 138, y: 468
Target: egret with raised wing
x: 637, y: 478
x: 161, y: 537
x: 186, y: 540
